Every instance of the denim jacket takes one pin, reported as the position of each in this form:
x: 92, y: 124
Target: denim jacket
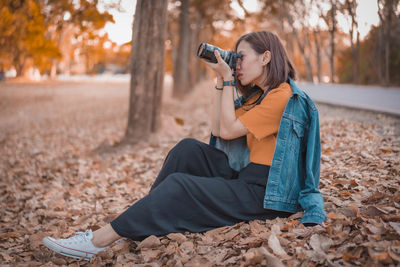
x: 293, y: 179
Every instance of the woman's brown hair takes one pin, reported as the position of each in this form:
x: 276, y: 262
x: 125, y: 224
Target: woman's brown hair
x: 279, y: 69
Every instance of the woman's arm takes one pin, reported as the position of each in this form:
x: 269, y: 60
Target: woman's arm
x: 224, y: 122
x: 216, y: 109
x: 230, y: 126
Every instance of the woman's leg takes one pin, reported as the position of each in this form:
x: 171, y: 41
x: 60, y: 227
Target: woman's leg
x: 83, y: 244
x: 196, y: 158
x: 188, y: 156
x: 185, y: 202
x: 105, y: 236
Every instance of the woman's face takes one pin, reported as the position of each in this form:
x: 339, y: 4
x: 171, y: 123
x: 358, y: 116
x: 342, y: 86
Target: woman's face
x: 250, y: 68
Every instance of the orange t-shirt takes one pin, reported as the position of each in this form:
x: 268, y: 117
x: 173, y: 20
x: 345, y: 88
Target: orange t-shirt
x: 263, y: 122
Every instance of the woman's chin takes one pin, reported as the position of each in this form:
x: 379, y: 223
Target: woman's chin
x: 244, y: 83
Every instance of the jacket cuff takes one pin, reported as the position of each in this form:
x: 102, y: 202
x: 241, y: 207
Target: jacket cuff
x: 313, y: 217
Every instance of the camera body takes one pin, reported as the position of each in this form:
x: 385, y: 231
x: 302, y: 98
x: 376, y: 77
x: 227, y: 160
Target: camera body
x: 206, y: 51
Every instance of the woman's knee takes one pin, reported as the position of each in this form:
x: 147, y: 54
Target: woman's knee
x: 188, y: 143
x: 186, y: 147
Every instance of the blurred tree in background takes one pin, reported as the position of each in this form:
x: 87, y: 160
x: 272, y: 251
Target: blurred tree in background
x: 147, y: 69
x: 31, y: 31
x: 191, y: 22
x: 23, y: 35
x: 377, y: 58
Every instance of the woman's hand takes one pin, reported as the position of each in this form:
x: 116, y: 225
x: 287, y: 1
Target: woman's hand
x: 221, y: 69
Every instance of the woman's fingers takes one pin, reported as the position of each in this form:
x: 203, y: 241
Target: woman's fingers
x: 221, y: 67
x: 217, y: 55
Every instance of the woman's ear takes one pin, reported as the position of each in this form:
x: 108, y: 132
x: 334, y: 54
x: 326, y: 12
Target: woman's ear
x: 266, y: 58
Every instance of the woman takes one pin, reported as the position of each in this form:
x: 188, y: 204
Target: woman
x: 198, y: 190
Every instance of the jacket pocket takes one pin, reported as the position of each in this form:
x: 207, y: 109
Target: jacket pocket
x: 298, y: 128
x: 294, y: 159
x: 297, y: 134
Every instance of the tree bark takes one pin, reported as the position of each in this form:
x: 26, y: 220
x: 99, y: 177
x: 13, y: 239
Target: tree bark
x: 317, y: 43
x: 380, y: 44
x: 388, y: 13
x: 351, y: 6
x: 171, y: 32
x: 147, y: 69
x: 195, y: 63
x: 386, y: 9
x: 19, y: 63
x: 301, y: 48
x: 332, y: 31
x: 181, y: 70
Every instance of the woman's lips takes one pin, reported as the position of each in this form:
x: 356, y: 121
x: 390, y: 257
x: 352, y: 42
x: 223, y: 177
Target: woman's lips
x: 239, y: 76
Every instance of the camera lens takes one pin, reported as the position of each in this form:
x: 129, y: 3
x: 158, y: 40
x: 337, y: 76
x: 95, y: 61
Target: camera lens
x: 206, y: 51
x: 200, y: 49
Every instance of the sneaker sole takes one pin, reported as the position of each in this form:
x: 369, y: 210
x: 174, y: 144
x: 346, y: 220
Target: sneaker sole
x: 69, y: 252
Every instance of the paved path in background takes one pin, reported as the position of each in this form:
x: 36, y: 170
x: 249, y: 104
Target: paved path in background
x: 374, y: 98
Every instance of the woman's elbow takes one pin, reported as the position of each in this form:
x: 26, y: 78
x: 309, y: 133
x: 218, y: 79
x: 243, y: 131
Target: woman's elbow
x: 225, y: 133
x: 232, y: 131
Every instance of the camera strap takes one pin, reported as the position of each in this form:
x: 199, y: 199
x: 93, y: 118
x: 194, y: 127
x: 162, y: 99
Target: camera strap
x: 263, y: 96
x: 258, y: 101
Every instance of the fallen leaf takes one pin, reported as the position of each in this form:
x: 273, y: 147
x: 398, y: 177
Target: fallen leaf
x: 320, y: 243
x: 271, y: 260
x: 59, y: 261
x: 6, y: 257
x: 150, y: 242
x: 349, y: 257
x: 380, y: 256
x: 395, y: 226
x: 273, y: 243
x: 252, y: 257
x: 394, y: 253
x: 180, y: 238
x: 35, y: 240
x: 149, y: 254
x: 10, y: 235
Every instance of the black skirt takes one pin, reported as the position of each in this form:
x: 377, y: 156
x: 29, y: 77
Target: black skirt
x: 195, y: 191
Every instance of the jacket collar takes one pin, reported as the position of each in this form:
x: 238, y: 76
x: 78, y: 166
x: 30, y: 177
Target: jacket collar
x: 295, y: 89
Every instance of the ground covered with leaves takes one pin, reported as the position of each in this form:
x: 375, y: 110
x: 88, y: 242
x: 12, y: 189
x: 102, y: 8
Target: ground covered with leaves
x: 63, y: 169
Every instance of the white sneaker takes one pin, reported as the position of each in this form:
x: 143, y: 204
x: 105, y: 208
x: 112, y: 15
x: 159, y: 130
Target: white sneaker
x: 78, y: 246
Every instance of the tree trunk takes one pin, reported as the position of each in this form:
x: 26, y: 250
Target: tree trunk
x: 351, y: 6
x: 195, y: 64
x: 332, y: 41
x: 380, y: 46
x: 147, y: 69
x: 19, y: 64
x: 386, y: 9
x: 387, y: 57
x: 53, y: 70
x: 357, y: 56
x: 388, y: 13
x: 171, y: 33
x: 181, y: 70
x: 318, y: 53
x: 306, y: 59
x: 203, y: 72
x: 353, y: 53
x: 54, y: 62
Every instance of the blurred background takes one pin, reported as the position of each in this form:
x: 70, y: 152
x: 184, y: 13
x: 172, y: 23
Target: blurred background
x: 340, y: 41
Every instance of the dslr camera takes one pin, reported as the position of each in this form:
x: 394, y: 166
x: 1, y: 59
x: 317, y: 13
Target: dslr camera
x: 206, y: 51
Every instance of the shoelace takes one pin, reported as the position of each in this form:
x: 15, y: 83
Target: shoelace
x: 79, y: 236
